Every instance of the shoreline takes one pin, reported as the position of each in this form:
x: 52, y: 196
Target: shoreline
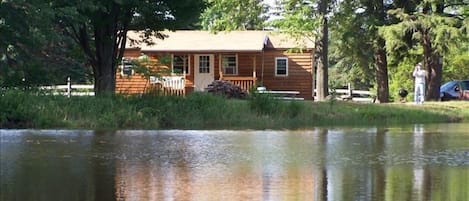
x: 208, y: 112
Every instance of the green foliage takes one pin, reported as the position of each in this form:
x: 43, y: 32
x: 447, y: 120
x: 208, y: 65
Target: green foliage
x: 456, y: 66
x: 352, y: 58
x: 432, y: 31
x: 443, y: 31
x: 205, y: 111
x: 13, y: 112
x: 298, y: 20
x: 264, y: 104
x: 56, y: 38
x: 144, y: 67
x: 229, y: 15
x: 294, y: 108
x: 32, y: 50
x: 401, y: 78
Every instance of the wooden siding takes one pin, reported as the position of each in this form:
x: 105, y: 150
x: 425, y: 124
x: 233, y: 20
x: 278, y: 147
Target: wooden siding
x: 139, y: 84
x: 134, y: 84
x: 245, y: 64
x: 133, y: 53
x: 300, y: 75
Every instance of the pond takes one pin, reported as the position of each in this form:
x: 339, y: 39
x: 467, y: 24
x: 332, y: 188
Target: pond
x: 417, y: 162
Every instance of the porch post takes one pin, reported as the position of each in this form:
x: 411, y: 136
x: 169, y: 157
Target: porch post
x: 254, y: 67
x: 220, y: 72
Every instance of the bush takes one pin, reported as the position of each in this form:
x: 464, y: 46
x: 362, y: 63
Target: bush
x: 264, y: 104
x: 295, y: 108
x: 226, y: 89
x: 15, y: 111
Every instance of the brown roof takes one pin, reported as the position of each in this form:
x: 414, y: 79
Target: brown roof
x: 283, y: 41
x: 198, y: 41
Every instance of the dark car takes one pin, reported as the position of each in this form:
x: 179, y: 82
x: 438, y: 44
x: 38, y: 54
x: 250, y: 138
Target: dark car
x: 455, y: 90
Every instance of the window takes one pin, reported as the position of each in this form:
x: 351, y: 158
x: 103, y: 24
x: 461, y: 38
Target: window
x: 229, y: 64
x: 465, y: 85
x: 180, y: 63
x: 127, y: 67
x: 281, y: 66
x: 204, y: 64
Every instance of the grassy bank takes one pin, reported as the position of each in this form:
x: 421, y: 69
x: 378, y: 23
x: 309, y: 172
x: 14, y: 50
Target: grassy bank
x: 202, y: 111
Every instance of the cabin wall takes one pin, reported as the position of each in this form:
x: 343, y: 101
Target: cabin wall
x: 300, y: 74
x: 157, y: 63
x: 189, y: 77
x: 132, y: 53
x: 300, y: 70
x: 134, y: 84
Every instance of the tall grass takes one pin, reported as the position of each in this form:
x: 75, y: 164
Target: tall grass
x: 204, y: 111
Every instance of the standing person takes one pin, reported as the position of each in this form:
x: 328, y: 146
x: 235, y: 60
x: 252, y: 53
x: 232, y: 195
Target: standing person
x: 419, y: 91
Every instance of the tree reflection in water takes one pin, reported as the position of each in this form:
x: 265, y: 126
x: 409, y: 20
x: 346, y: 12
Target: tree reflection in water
x: 421, y: 162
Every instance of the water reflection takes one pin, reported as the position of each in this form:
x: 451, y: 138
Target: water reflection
x: 421, y: 162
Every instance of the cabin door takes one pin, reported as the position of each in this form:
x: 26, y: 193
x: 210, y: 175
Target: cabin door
x: 203, y: 72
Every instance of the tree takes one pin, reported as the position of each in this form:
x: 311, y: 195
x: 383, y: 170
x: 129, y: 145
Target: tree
x: 228, y: 15
x: 308, y: 19
x: 456, y: 66
x: 100, y: 28
x: 435, y: 27
x: 31, y: 50
x: 363, y: 57
x: 322, y: 48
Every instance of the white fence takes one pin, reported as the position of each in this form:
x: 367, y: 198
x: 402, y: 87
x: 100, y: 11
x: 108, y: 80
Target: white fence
x: 351, y: 94
x: 70, y: 90
x: 354, y: 95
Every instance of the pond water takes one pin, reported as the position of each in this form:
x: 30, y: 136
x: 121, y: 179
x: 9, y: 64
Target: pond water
x: 418, y: 162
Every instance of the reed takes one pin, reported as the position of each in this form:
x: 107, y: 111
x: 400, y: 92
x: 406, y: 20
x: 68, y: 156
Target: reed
x: 204, y: 111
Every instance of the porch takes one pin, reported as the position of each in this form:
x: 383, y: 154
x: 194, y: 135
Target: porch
x: 246, y: 76
x: 176, y: 85
x: 246, y: 83
x: 168, y: 85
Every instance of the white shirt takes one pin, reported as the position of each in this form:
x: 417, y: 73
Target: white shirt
x: 420, y: 76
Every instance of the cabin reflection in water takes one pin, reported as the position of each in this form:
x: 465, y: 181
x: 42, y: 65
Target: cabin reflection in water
x: 405, y: 163
x: 178, y: 183
x: 355, y: 164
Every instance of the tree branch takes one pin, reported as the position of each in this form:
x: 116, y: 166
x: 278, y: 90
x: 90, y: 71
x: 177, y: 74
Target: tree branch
x: 85, y: 45
x: 123, y: 34
x: 456, y: 4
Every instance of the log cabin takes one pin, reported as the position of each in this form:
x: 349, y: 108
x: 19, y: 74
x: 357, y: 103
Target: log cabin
x: 245, y: 58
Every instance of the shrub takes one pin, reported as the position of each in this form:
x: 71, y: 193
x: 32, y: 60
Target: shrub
x: 226, y: 89
x: 15, y: 111
x: 264, y: 104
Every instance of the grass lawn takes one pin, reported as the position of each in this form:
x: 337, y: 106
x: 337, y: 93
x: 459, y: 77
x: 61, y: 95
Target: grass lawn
x: 202, y: 111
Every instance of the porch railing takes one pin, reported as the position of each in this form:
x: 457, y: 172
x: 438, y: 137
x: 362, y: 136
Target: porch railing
x: 169, y: 85
x: 246, y: 83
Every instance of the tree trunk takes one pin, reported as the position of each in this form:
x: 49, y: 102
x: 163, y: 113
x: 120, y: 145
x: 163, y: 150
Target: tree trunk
x: 322, y: 86
x: 433, y: 65
x: 381, y: 73
x: 105, y: 68
x: 105, y: 80
x: 380, y: 58
x: 105, y: 33
x: 432, y: 59
x: 435, y: 71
